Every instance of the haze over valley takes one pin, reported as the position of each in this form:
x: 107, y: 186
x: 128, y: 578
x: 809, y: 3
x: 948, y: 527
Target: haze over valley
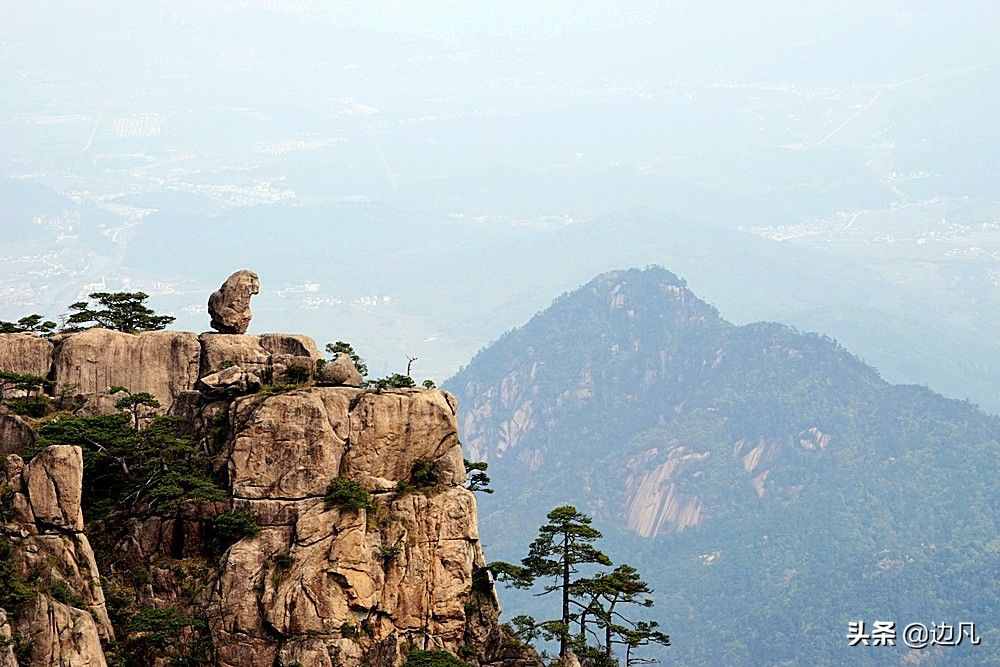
x: 425, y: 180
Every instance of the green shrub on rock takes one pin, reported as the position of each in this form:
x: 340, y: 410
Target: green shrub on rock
x: 229, y: 528
x: 347, y: 494
x: 433, y: 659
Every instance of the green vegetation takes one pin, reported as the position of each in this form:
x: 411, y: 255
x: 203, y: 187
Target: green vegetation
x: 6, y: 501
x: 153, y: 632
x: 15, y: 589
x: 61, y: 592
x: 150, y: 471
x: 159, y: 627
x: 230, y: 527
x: 424, y: 474
x: 35, y: 407
x: 135, y: 404
x: 827, y: 526
x: 20, y: 383
x: 347, y: 494
x: 283, y: 561
x: 433, y: 659
x: 342, y: 347
x: 297, y: 375
x: 394, y: 381
x: 390, y: 552
x: 276, y: 389
x: 476, y: 477
x: 595, y: 607
x: 429, y: 384
x: 120, y: 311
x: 28, y: 324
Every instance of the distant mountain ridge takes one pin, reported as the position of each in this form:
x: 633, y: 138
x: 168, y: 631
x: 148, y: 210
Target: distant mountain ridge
x: 762, y: 476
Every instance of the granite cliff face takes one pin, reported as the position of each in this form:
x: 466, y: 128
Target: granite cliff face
x: 401, y: 569
x: 42, y: 538
x: 315, y: 582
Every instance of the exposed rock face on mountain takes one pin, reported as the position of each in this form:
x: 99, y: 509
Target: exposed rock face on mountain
x: 15, y: 433
x: 401, y: 569
x: 316, y: 582
x: 263, y: 355
x: 752, y: 472
x: 340, y: 372
x: 229, y: 306
x: 25, y: 353
x: 42, y: 541
x: 162, y: 363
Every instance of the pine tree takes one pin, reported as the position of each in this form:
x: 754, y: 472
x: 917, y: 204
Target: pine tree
x: 563, y: 544
x: 120, y: 311
x: 29, y: 324
x: 342, y: 347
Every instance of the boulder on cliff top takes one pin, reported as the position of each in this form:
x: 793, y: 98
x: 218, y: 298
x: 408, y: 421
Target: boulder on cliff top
x: 339, y: 373
x: 294, y: 344
x: 229, y: 383
x: 220, y: 351
x: 229, y: 306
x: 257, y: 354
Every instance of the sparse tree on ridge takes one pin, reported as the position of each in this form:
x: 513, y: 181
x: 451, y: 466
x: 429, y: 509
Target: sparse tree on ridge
x: 120, y: 311
x: 29, y: 324
x: 608, y: 596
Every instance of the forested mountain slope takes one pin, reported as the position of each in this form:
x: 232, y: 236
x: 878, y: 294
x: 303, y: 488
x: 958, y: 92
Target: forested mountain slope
x: 770, y: 484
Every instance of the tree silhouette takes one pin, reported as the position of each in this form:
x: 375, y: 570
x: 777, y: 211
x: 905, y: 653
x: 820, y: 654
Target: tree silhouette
x: 28, y: 324
x: 120, y: 311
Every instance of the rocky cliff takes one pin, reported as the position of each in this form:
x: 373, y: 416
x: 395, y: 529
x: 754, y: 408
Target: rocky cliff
x: 392, y: 565
x: 47, y: 564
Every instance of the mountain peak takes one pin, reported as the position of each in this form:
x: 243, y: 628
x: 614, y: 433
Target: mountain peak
x: 652, y: 272
x: 741, y: 464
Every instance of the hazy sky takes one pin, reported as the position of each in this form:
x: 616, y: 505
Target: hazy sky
x: 421, y: 176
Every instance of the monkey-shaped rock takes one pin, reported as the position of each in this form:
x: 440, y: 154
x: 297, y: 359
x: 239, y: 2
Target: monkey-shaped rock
x: 229, y: 306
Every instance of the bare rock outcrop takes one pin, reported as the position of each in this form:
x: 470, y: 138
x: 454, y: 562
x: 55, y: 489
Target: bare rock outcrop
x: 296, y: 345
x: 220, y: 351
x: 319, y: 583
x: 163, y: 363
x: 58, y: 634
x: 54, y: 481
x: 268, y: 356
x: 16, y: 435
x: 329, y: 585
x: 229, y: 306
x: 7, y: 657
x: 42, y: 532
x: 25, y: 353
x: 341, y: 372
x: 229, y: 382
